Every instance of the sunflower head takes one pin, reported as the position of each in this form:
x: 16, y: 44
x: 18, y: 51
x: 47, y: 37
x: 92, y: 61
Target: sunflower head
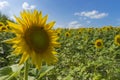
x: 99, y: 43
x: 76, y: 37
x: 1, y: 24
x: 3, y: 28
x: 58, y: 33
x: 117, y: 40
x: 79, y: 32
x: 67, y: 34
x: 35, y: 39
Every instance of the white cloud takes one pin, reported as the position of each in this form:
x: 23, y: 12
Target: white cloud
x: 88, y: 22
x: 25, y: 5
x: 91, y: 14
x: 74, y: 24
x: 3, y: 4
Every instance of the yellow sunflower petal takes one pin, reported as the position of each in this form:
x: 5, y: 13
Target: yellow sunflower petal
x: 25, y: 56
x: 44, y: 20
x: 16, y: 28
x: 50, y: 25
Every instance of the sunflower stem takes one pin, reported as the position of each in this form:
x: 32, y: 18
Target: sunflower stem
x: 26, y: 67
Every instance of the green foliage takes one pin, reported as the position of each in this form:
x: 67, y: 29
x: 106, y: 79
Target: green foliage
x: 5, y: 50
x: 3, y: 18
x: 45, y: 70
x: 79, y: 59
x: 10, y: 72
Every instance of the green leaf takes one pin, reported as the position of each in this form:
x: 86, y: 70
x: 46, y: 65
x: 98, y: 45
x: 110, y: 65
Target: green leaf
x: 31, y: 78
x: 10, y: 72
x: 68, y: 78
x: 5, y: 71
x: 16, y: 67
x: 16, y: 70
x: 45, y: 70
x: 3, y: 77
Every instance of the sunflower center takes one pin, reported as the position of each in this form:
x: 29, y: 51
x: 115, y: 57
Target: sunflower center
x: 79, y: 32
x: 118, y: 40
x: 0, y: 25
x: 37, y: 39
x: 3, y: 28
x: 99, y: 44
x: 58, y: 34
x: 66, y: 34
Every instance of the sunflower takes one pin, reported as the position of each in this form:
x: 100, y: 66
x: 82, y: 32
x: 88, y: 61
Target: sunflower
x: 99, y: 43
x: 117, y: 40
x: 58, y: 33
x: 76, y: 37
x: 79, y: 32
x: 34, y: 38
x: 1, y: 24
x: 67, y: 34
x: 3, y: 28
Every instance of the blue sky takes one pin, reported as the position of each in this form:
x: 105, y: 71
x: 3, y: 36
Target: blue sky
x: 69, y: 13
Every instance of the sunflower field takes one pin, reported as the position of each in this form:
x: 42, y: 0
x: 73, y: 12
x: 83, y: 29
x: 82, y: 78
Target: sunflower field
x: 84, y: 54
